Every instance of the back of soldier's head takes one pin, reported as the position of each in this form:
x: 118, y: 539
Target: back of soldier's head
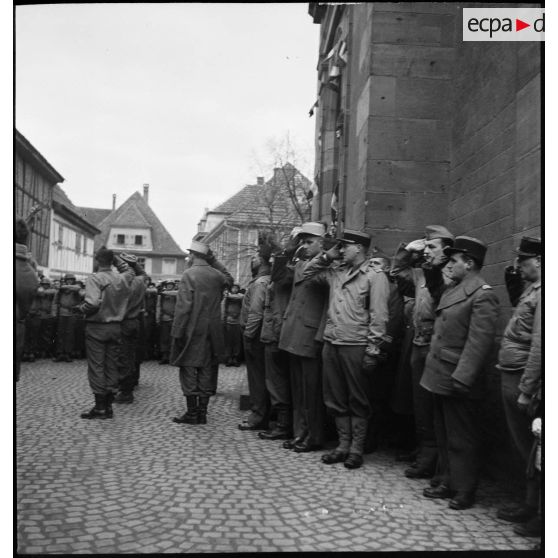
x: 21, y: 231
x: 104, y: 256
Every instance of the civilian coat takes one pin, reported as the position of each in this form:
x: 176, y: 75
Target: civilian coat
x: 197, y: 330
x: 464, y: 332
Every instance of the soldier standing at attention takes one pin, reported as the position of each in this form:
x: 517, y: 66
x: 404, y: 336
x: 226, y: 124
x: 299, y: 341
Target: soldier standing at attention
x: 197, y: 332
x: 165, y: 316
x: 106, y: 300
x: 355, y: 329
x: 464, y: 331
x: 519, y: 362
x: 130, y: 328
x: 64, y: 307
x: 409, y: 274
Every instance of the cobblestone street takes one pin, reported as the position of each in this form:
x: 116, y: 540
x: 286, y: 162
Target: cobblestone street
x: 141, y: 484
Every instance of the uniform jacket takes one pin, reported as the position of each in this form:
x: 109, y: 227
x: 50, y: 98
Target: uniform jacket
x: 136, y: 298
x: 303, y: 315
x: 520, y: 350
x: 166, y: 306
x: 26, y: 282
x: 232, y: 306
x: 66, y: 300
x: 151, y: 296
x: 409, y: 277
x: 251, y: 314
x: 197, y: 330
x: 358, y: 303
x: 464, y: 331
x: 106, y: 294
x: 42, y: 303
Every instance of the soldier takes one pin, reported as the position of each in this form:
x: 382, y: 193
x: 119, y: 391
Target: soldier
x: 165, y: 316
x: 150, y: 321
x: 277, y: 380
x: 130, y: 329
x: 64, y: 308
x: 464, y: 330
x: 197, y: 333
x: 47, y: 323
x: 355, y: 330
x: 233, y: 334
x: 79, y: 339
x: 251, y: 318
x: 106, y: 300
x: 408, y: 271
x: 519, y: 361
x: 26, y: 283
x: 298, y: 337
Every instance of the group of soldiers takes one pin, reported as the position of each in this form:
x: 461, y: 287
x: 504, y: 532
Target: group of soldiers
x: 339, y: 344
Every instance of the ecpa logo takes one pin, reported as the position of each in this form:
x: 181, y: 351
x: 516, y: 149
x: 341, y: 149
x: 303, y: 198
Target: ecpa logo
x: 503, y: 24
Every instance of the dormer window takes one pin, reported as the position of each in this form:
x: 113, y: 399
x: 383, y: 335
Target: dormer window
x: 138, y: 240
x: 120, y: 239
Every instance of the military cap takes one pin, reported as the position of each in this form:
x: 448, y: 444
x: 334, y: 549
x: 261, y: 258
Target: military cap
x: 199, y: 247
x: 128, y: 258
x: 45, y: 281
x: 529, y: 247
x: 437, y: 231
x: 472, y: 247
x: 69, y: 276
x: 312, y: 228
x: 356, y: 237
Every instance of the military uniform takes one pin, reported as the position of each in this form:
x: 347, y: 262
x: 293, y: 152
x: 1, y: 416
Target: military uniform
x: 47, y: 322
x: 151, y: 341
x: 233, y: 334
x: 165, y: 316
x: 79, y: 339
x: 463, y: 334
x: 65, y: 302
x: 32, y: 328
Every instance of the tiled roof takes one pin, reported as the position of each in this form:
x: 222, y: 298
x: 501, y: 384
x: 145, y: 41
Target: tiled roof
x: 93, y: 214
x: 135, y: 212
x: 59, y: 198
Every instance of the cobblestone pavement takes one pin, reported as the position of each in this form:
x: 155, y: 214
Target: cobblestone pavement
x: 141, y: 484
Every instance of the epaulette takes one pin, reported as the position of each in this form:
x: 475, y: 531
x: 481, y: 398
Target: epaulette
x: 485, y: 287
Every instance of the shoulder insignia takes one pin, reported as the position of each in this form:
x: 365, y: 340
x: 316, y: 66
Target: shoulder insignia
x: 485, y: 287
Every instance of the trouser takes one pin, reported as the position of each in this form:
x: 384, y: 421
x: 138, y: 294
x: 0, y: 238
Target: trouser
x: 197, y: 380
x: 254, y: 352
x: 128, y: 354
x: 519, y: 427
x: 214, y: 378
x: 423, y: 405
x: 65, y: 335
x: 79, y: 339
x: 165, y: 338
x: 457, y: 428
x: 150, y: 338
x: 344, y: 389
x: 103, y: 343
x: 46, y: 342
x: 277, y: 380
x: 32, y: 335
x: 309, y: 414
x: 233, y: 341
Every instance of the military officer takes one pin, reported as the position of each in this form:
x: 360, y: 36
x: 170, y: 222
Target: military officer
x: 64, y: 307
x: 197, y: 334
x: 409, y: 274
x: 300, y: 326
x: 519, y: 361
x: 464, y: 330
x: 165, y: 316
x: 251, y: 319
x: 355, y: 329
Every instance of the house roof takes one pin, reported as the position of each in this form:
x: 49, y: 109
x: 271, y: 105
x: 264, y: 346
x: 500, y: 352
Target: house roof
x: 135, y: 212
x: 63, y: 205
x: 26, y: 149
x: 93, y: 214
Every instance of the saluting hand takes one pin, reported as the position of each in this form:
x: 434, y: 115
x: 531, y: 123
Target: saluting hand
x: 416, y: 246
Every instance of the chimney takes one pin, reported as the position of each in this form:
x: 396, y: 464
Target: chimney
x: 113, y: 202
x: 260, y: 180
x: 146, y: 193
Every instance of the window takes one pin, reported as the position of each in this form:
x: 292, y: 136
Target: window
x: 78, y: 243
x: 60, y: 233
x: 138, y: 240
x: 120, y: 239
x: 169, y: 266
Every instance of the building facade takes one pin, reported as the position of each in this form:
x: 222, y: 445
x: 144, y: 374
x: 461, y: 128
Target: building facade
x: 34, y: 182
x: 416, y: 127
x: 274, y: 207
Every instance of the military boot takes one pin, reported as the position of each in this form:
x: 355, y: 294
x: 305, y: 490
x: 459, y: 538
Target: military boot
x: 281, y: 430
x: 343, y: 427
x: 358, y: 429
x: 203, y: 402
x: 191, y: 415
x: 100, y: 409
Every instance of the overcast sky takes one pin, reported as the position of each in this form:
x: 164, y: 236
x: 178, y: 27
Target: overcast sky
x: 181, y: 96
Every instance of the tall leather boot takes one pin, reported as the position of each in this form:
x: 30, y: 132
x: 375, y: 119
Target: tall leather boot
x: 203, y: 402
x: 191, y: 415
x: 100, y: 409
x: 359, y: 426
x: 340, y: 453
x: 282, y: 428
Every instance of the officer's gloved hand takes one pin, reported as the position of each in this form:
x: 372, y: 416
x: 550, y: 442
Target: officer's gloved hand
x: 369, y: 363
x: 333, y: 252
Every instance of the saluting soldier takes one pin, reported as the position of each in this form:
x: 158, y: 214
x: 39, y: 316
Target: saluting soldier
x: 409, y: 273
x: 165, y: 316
x: 197, y: 333
x: 64, y: 308
x: 298, y: 337
x: 355, y: 330
x: 520, y: 364
x: 464, y: 330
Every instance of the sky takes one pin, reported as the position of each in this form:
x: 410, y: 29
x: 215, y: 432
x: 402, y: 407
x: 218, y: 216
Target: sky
x: 184, y: 97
